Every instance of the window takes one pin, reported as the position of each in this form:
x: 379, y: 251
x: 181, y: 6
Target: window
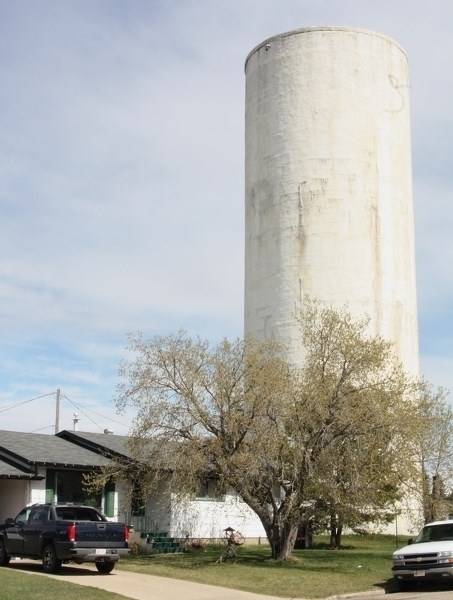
x: 138, y: 500
x: 77, y: 514
x: 22, y: 517
x: 38, y: 516
x: 109, y: 499
x: 68, y: 486
x: 210, y: 489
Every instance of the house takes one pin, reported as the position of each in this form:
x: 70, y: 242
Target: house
x: 50, y: 468
x: 44, y: 468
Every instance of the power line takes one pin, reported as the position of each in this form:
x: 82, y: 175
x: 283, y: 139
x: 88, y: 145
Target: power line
x: 83, y: 412
x: 78, y: 407
x: 108, y: 418
x: 42, y: 428
x: 11, y: 406
x: 75, y: 404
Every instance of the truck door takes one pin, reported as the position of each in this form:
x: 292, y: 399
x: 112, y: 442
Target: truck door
x: 34, y: 528
x: 14, y: 534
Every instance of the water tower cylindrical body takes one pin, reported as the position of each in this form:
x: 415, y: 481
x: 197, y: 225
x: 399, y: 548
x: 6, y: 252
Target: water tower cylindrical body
x: 328, y: 185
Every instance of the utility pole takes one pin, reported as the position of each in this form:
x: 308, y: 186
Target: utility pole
x: 57, y: 412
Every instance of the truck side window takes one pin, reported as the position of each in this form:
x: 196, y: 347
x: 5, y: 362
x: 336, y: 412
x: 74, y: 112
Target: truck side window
x: 38, y: 516
x: 65, y: 514
x: 22, y: 517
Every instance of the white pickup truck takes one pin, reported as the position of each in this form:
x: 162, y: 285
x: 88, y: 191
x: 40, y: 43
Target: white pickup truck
x: 428, y: 557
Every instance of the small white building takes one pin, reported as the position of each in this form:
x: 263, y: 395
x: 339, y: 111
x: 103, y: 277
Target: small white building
x: 47, y: 468
x: 38, y: 468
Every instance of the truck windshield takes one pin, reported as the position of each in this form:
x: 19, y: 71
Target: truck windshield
x: 435, y: 533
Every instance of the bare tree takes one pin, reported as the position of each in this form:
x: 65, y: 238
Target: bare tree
x: 289, y: 441
x: 434, y: 449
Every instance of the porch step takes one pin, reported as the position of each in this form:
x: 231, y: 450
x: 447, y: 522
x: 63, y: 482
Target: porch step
x: 164, y: 544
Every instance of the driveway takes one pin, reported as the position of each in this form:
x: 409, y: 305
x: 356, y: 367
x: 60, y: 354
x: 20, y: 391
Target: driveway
x: 145, y: 587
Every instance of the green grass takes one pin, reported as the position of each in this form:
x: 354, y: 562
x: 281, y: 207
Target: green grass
x: 363, y: 564
x: 17, y: 585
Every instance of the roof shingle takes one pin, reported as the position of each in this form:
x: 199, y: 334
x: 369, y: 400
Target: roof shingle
x: 27, y: 450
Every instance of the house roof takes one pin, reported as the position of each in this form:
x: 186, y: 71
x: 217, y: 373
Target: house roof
x: 8, y: 471
x: 116, y: 448
x: 27, y: 451
x: 106, y: 444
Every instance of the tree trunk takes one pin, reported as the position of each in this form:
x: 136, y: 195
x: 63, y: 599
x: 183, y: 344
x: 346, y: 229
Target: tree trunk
x: 282, y: 540
x: 281, y: 537
x: 336, y: 530
x: 436, y: 498
x: 427, y: 499
x: 288, y: 540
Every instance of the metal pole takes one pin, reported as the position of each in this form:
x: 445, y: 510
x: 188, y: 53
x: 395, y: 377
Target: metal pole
x: 57, y: 412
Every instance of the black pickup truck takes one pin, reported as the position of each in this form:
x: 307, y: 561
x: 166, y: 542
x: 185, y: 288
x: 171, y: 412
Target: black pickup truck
x: 61, y: 533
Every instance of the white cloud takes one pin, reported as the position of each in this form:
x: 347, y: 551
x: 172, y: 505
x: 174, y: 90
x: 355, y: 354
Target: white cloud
x: 121, y: 178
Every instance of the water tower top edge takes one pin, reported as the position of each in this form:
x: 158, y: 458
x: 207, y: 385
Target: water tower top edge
x: 322, y: 28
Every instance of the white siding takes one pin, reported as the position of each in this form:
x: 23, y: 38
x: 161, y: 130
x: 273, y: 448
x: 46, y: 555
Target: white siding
x: 202, y: 518
x: 14, y: 495
x: 38, y: 488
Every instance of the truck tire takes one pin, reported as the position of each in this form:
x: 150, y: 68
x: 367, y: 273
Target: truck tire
x: 50, y: 562
x: 4, y: 558
x: 105, y: 567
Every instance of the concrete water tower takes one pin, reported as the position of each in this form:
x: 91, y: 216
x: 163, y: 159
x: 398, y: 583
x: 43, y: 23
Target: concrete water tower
x: 328, y: 184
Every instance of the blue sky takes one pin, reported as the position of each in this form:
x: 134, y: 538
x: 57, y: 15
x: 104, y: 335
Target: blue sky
x: 121, y: 183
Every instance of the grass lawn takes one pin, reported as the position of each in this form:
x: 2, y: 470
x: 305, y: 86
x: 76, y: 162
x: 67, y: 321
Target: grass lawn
x: 16, y: 585
x: 363, y: 564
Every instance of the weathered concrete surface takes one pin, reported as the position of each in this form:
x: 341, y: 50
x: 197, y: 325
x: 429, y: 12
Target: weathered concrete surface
x: 328, y: 184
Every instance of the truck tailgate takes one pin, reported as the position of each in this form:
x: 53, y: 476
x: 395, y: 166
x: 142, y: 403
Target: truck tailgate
x: 100, y: 532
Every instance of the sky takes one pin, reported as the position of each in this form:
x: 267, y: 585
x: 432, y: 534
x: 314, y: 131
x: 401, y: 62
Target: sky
x: 121, y: 183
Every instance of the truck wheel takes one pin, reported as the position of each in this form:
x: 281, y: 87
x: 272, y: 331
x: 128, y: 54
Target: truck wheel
x: 105, y: 567
x: 50, y: 562
x: 4, y: 558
